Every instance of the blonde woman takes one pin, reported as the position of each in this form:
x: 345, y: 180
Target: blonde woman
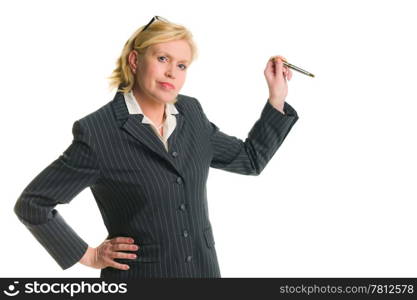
x: 146, y: 155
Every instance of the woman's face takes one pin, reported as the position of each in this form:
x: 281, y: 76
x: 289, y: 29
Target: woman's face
x: 163, y: 62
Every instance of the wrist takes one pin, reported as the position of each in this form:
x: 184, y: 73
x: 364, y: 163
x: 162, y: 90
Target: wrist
x: 277, y: 104
x: 88, y: 257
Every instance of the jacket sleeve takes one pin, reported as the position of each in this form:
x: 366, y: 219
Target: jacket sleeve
x: 74, y: 170
x: 250, y: 157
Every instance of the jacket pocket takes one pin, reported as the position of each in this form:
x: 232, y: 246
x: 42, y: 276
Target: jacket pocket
x: 208, y: 235
x: 145, y: 253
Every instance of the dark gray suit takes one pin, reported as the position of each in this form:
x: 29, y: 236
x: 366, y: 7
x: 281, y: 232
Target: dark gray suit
x: 157, y: 197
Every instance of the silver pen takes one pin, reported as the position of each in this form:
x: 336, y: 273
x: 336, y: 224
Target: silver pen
x: 295, y: 68
x: 292, y: 66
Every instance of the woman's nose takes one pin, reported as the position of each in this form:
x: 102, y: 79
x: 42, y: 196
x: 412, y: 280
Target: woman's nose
x: 170, y: 72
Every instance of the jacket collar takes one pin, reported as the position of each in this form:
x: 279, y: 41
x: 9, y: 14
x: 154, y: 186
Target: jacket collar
x: 122, y: 113
x: 132, y: 124
x: 134, y: 107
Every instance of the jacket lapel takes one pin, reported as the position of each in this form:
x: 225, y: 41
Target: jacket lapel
x: 144, y: 133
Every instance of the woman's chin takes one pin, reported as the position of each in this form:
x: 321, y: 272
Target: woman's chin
x: 167, y: 97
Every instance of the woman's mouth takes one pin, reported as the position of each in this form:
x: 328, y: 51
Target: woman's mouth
x: 167, y: 85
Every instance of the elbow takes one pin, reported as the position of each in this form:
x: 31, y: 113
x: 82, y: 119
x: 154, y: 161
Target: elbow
x: 24, y: 210
x: 31, y: 210
x: 19, y: 207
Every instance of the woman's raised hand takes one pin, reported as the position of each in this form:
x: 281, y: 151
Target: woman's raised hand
x: 276, y: 75
x: 102, y: 256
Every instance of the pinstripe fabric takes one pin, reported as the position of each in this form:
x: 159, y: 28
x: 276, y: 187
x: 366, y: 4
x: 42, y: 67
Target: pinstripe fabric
x: 158, y: 197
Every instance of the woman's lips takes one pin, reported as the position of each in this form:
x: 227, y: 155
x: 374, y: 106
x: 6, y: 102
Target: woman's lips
x: 167, y: 85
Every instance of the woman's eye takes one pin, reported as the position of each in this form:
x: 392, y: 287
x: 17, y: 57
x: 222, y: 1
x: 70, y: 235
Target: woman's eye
x: 183, y: 68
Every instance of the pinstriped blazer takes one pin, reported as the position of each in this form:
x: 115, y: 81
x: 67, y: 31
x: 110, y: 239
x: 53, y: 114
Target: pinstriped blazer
x: 155, y: 196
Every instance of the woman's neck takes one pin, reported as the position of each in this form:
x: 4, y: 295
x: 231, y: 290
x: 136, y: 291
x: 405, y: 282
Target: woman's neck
x: 152, y: 109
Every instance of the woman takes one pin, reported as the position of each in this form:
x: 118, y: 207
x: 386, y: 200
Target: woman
x: 145, y: 156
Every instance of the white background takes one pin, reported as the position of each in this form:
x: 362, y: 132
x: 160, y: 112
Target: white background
x: 337, y: 199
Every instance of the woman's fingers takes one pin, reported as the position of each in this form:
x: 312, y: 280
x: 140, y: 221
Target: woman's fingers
x: 119, y: 266
x: 121, y: 239
x: 278, y: 59
x: 125, y: 247
x: 278, y: 56
x: 279, y: 67
x: 121, y: 244
x: 107, y: 251
x: 114, y: 264
x: 123, y: 255
x: 287, y: 73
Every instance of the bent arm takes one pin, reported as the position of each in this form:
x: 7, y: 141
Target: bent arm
x: 59, y: 183
x: 250, y: 157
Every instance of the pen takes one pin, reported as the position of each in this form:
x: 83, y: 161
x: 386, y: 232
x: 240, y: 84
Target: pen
x: 296, y: 68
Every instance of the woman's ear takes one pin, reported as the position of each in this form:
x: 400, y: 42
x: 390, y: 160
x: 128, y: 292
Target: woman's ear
x: 133, y: 60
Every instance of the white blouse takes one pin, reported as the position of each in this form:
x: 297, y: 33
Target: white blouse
x: 169, y: 124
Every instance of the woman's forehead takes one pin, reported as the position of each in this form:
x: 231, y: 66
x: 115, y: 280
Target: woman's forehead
x: 178, y: 52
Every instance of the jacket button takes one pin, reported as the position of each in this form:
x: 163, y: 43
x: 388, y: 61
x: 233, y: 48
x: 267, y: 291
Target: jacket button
x: 189, y: 258
x: 182, y: 206
x: 174, y: 153
x: 179, y: 180
x: 185, y: 233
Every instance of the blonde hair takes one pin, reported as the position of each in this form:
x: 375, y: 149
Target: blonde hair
x: 158, y: 32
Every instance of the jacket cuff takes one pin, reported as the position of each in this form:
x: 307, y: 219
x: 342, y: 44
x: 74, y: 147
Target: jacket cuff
x: 276, y: 118
x: 59, y: 239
